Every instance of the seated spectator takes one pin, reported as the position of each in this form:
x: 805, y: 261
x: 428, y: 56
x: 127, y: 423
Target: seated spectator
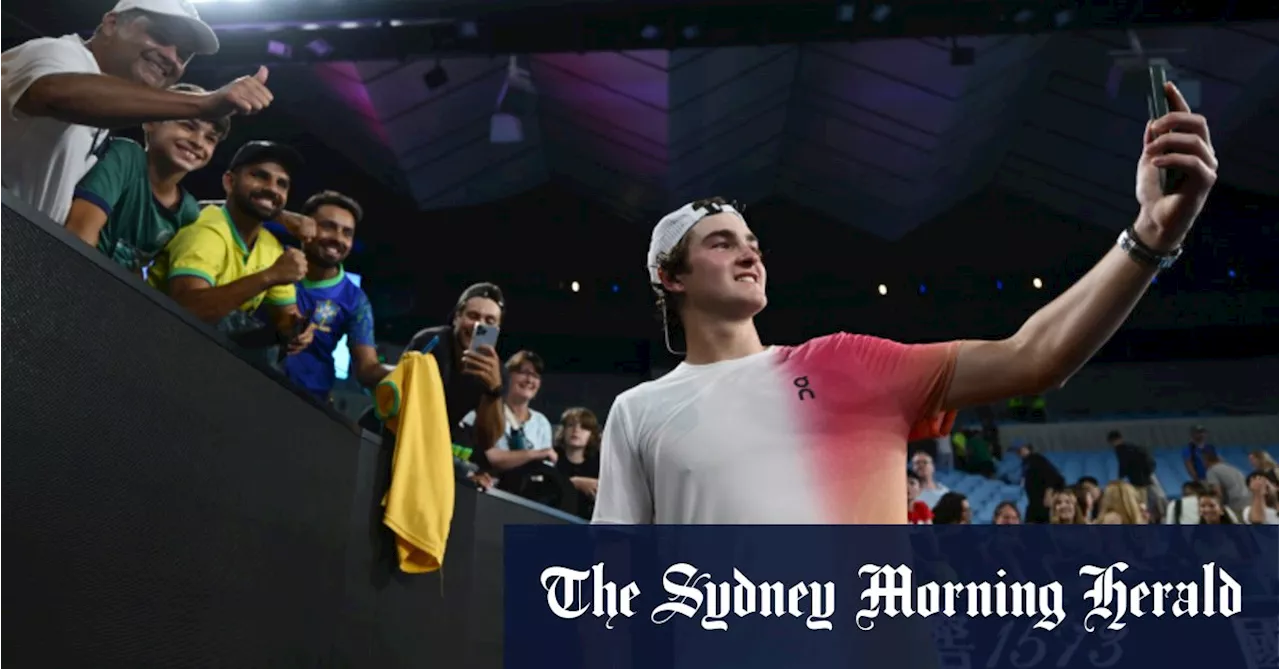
x: 1186, y: 509
x: 1212, y: 512
x: 952, y: 509
x: 1263, y: 501
x: 918, y: 512
x: 1228, y: 481
x: 1089, y: 490
x: 1066, y: 508
x: 61, y: 94
x: 1193, y: 453
x: 1121, y: 504
x: 527, y: 437
x: 577, y: 445
x: 472, y: 379
x: 131, y: 202
x: 334, y: 305
x: 1006, y: 513
x: 224, y: 266
x: 930, y: 490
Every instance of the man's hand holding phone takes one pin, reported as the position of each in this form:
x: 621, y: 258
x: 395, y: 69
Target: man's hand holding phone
x: 1177, y: 141
x: 483, y: 364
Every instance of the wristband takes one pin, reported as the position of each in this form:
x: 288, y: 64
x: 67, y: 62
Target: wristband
x: 1130, y: 244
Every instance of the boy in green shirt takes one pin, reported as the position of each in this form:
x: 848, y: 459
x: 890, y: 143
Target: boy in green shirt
x: 131, y: 203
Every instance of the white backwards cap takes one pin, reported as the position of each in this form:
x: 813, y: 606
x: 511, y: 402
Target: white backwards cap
x: 674, y: 226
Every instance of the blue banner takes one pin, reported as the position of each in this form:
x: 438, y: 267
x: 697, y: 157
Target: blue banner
x: 953, y: 597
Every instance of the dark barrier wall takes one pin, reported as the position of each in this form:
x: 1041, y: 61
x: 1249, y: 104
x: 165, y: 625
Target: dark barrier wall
x: 168, y: 504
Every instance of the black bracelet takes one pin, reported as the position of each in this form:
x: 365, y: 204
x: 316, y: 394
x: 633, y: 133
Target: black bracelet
x: 493, y: 392
x: 1139, y: 251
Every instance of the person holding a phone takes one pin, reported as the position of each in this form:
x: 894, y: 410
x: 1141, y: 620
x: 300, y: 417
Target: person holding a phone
x: 744, y: 433
x: 470, y: 369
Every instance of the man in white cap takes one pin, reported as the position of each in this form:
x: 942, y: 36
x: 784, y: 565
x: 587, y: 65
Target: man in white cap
x: 743, y: 433
x: 62, y: 94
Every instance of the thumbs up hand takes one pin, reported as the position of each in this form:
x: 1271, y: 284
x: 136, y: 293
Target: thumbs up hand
x: 246, y: 95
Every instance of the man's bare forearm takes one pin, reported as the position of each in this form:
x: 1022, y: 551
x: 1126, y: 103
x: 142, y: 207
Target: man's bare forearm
x: 490, y: 423
x: 1063, y: 335
x: 371, y: 375
x: 212, y: 304
x: 104, y: 101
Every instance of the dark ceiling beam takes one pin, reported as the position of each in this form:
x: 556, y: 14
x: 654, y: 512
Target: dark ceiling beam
x: 396, y: 29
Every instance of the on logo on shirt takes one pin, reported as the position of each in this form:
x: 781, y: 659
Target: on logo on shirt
x: 804, y: 392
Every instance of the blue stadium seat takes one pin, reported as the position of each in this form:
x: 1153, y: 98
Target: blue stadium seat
x: 984, y: 494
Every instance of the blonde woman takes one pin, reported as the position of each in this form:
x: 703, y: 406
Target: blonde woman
x: 1121, y: 504
x: 1066, y: 508
x: 1261, y: 461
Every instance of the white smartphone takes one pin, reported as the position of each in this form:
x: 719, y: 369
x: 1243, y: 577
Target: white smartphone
x: 484, y: 335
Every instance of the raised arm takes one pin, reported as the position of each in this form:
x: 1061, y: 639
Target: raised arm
x: 104, y: 101
x: 1059, y: 338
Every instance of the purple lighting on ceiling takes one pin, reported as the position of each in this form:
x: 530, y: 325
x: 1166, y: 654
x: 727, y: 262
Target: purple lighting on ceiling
x: 279, y: 49
x: 344, y: 79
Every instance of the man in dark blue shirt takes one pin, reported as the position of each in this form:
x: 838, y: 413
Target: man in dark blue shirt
x: 1193, y: 453
x: 334, y: 304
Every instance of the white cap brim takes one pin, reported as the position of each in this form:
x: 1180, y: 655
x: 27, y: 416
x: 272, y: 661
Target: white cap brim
x: 206, y: 41
x: 673, y: 227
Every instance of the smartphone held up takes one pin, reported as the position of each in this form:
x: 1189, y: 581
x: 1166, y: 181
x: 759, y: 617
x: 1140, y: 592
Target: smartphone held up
x: 1157, y: 107
x: 484, y: 335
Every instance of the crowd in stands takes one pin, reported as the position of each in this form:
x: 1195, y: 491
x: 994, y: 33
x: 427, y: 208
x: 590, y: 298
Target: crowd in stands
x: 1034, y: 489
x: 290, y: 307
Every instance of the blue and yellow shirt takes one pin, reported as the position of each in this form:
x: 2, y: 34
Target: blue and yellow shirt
x: 337, y: 307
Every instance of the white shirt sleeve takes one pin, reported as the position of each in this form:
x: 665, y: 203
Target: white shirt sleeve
x: 624, y: 496
x: 26, y: 64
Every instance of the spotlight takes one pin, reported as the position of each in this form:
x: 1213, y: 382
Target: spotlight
x: 922, y: 289
x: 650, y: 32
x: 574, y: 286
x: 879, y: 13
x: 883, y: 289
x: 279, y: 49
x: 844, y: 13
x: 616, y: 288
x: 1037, y: 283
x: 691, y: 32
x: 1023, y: 16
x: 1231, y: 273
x: 319, y: 47
x: 999, y: 285
x: 349, y: 25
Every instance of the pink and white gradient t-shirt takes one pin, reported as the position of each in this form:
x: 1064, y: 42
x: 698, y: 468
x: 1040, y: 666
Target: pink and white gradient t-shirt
x: 809, y: 434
